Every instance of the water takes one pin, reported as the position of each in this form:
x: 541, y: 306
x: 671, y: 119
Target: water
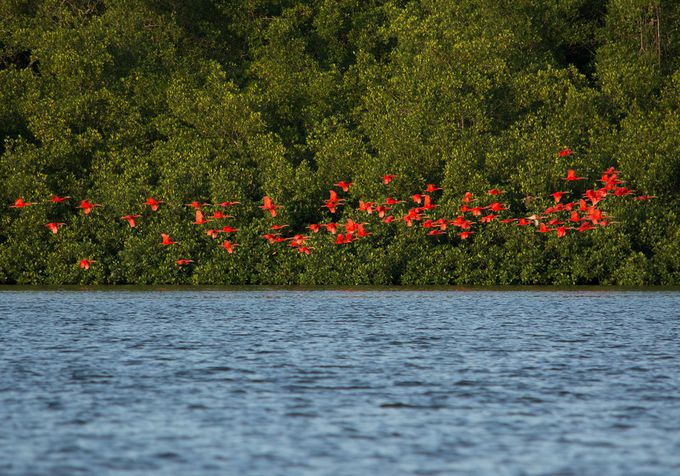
x: 272, y: 382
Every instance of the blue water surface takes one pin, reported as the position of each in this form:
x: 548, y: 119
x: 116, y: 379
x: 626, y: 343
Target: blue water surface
x: 339, y: 382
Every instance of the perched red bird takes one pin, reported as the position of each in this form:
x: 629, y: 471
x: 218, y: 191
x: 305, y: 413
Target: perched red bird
x: 565, y: 152
x: 130, y: 219
x: 184, y: 262
x: 269, y: 206
x: 86, y: 263
x: 87, y: 207
x: 344, y: 185
x: 153, y: 203
x: 166, y: 240
x: 20, y: 203
x: 54, y: 226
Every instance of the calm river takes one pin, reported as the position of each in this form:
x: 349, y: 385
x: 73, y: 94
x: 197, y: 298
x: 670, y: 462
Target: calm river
x: 342, y: 382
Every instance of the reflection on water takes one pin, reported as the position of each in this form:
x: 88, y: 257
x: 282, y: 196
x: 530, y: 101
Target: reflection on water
x: 341, y: 382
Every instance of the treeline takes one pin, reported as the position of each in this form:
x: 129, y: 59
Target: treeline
x: 116, y: 101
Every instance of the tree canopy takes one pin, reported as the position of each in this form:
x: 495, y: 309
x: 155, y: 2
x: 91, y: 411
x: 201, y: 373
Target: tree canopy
x: 209, y: 100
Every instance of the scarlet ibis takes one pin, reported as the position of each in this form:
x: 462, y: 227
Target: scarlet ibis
x: 213, y: 233
x: 495, y: 191
x: 388, y: 178
x: 87, y: 207
x: 268, y: 206
x: 467, y: 197
x: 86, y: 263
x: 229, y: 229
x: 184, y: 262
x: 571, y: 176
x: 131, y: 220
x: 167, y: 240
x: 465, y: 234
x: 558, y: 196
x: 58, y: 199
x: 565, y: 152
x: 153, y: 203
x: 200, y: 219
x: 314, y: 227
x: 228, y: 204
x: 229, y: 246
x: 54, y: 226
x: 343, y: 185
x: 430, y: 188
x: 20, y: 203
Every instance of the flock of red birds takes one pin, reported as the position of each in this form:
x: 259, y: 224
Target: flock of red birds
x: 578, y: 215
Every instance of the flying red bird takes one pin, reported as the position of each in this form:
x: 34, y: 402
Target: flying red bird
x: 229, y: 229
x: 388, y: 178
x: 131, y: 220
x: 269, y: 206
x: 229, y: 246
x: 166, y: 240
x: 184, y: 262
x: 86, y: 263
x: 54, y: 226
x: 467, y: 197
x: 58, y: 199
x: 344, y: 185
x: 430, y: 188
x: 87, y: 207
x: 213, y: 233
x: 571, y: 176
x: 200, y: 219
x: 465, y: 234
x: 565, y: 152
x: 495, y: 191
x: 558, y: 196
x: 228, y: 204
x: 20, y: 203
x: 153, y: 203
x: 196, y: 205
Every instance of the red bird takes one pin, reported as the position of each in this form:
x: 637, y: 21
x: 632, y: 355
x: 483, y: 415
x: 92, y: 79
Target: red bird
x: 87, y: 207
x: 228, y: 204
x: 344, y: 185
x: 388, y: 219
x: 465, y: 235
x: 430, y: 188
x: 228, y: 229
x: 166, y: 240
x: 271, y: 237
x: 392, y: 201
x: 58, y: 199
x: 417, y: 198
x: 314, y: 227
x: 388, y: 178
x: 562, y: 231
x: 558, y: 196
x: 213, y: 233
x: 277, y: 227
x: 184, y: 262
x: 219, y: 216
x: 467, y: 198
x: 565, y: 152
x: 20, y: 203
x: 436, y: 232
x: 229, y: 246
x: 200, y: 219
x: 304, y: 250
x: 585, y: 227
x: 196, y: 205
x: 54, y: 227
x: 495, y: 191
x: 130, y: 219
x: 488, y: 218
x: 331, y: 228
x: 644, y: 197
x: 497, y: 207
x: 269, y: 206
x: 542, y: 228
x: 571, y: 176
x: 86, y: 263
x: 153, y: 203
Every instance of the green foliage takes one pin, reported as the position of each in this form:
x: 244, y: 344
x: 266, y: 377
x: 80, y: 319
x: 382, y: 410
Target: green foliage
x: 214, y: 100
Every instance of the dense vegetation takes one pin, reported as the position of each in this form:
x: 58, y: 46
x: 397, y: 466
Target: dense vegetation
x: 119, y: 100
